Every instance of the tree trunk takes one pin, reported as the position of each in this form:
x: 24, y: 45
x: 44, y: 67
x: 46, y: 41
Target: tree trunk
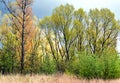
x: 23, y: 42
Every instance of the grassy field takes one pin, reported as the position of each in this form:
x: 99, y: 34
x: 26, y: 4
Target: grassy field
x: 50, y: 79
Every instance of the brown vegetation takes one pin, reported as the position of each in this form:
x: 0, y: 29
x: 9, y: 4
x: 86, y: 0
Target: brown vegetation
x: 50, y: 79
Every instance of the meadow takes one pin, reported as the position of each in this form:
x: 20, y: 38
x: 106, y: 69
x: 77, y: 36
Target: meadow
x: 50, y: 79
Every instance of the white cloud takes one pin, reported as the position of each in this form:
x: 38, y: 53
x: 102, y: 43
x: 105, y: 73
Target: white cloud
x: 47, y: 6
x: 113, y: 5
x: 93, y: 3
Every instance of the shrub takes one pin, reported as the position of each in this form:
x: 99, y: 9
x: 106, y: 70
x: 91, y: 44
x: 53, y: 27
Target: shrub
x: 111, y: 66
x: 87, y: 66
x: 48, y: 66
x: 106, y: 66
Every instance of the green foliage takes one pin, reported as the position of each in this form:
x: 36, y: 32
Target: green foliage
x: 111, y: 66
x: 48, y: 66
x: 91, y: 66
x: 69, y: 40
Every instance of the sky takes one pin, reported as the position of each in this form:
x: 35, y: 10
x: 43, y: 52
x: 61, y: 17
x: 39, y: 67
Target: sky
x: 43, y: 8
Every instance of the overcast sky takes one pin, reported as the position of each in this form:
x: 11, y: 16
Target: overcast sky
x: 43, y: 8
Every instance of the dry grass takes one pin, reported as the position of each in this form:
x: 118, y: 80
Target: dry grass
x: 50, y: 79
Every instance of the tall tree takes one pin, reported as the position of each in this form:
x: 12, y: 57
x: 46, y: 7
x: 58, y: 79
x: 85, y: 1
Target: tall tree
x: 9, y: 44
x: 102, y: 30
x: 20, y: 15
x: 80, y: 26
x: 62, y: 19
x: 60, y: 34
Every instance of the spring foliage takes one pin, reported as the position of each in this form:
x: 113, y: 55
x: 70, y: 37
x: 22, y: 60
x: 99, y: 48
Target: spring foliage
x: 69, y: 41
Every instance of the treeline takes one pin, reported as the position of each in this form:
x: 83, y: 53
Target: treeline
x: 69, y: 41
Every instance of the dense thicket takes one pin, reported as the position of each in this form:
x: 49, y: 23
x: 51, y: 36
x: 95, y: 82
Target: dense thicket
x: 69, y: 41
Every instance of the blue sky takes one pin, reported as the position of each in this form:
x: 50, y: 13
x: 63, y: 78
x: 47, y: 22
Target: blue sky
x: 43, y: 8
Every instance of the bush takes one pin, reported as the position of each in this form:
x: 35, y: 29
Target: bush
x: 87, y: 67
x: 111, y: 66
x: 48, y: 66
x: 73, y: 67
x: 91, y: 66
